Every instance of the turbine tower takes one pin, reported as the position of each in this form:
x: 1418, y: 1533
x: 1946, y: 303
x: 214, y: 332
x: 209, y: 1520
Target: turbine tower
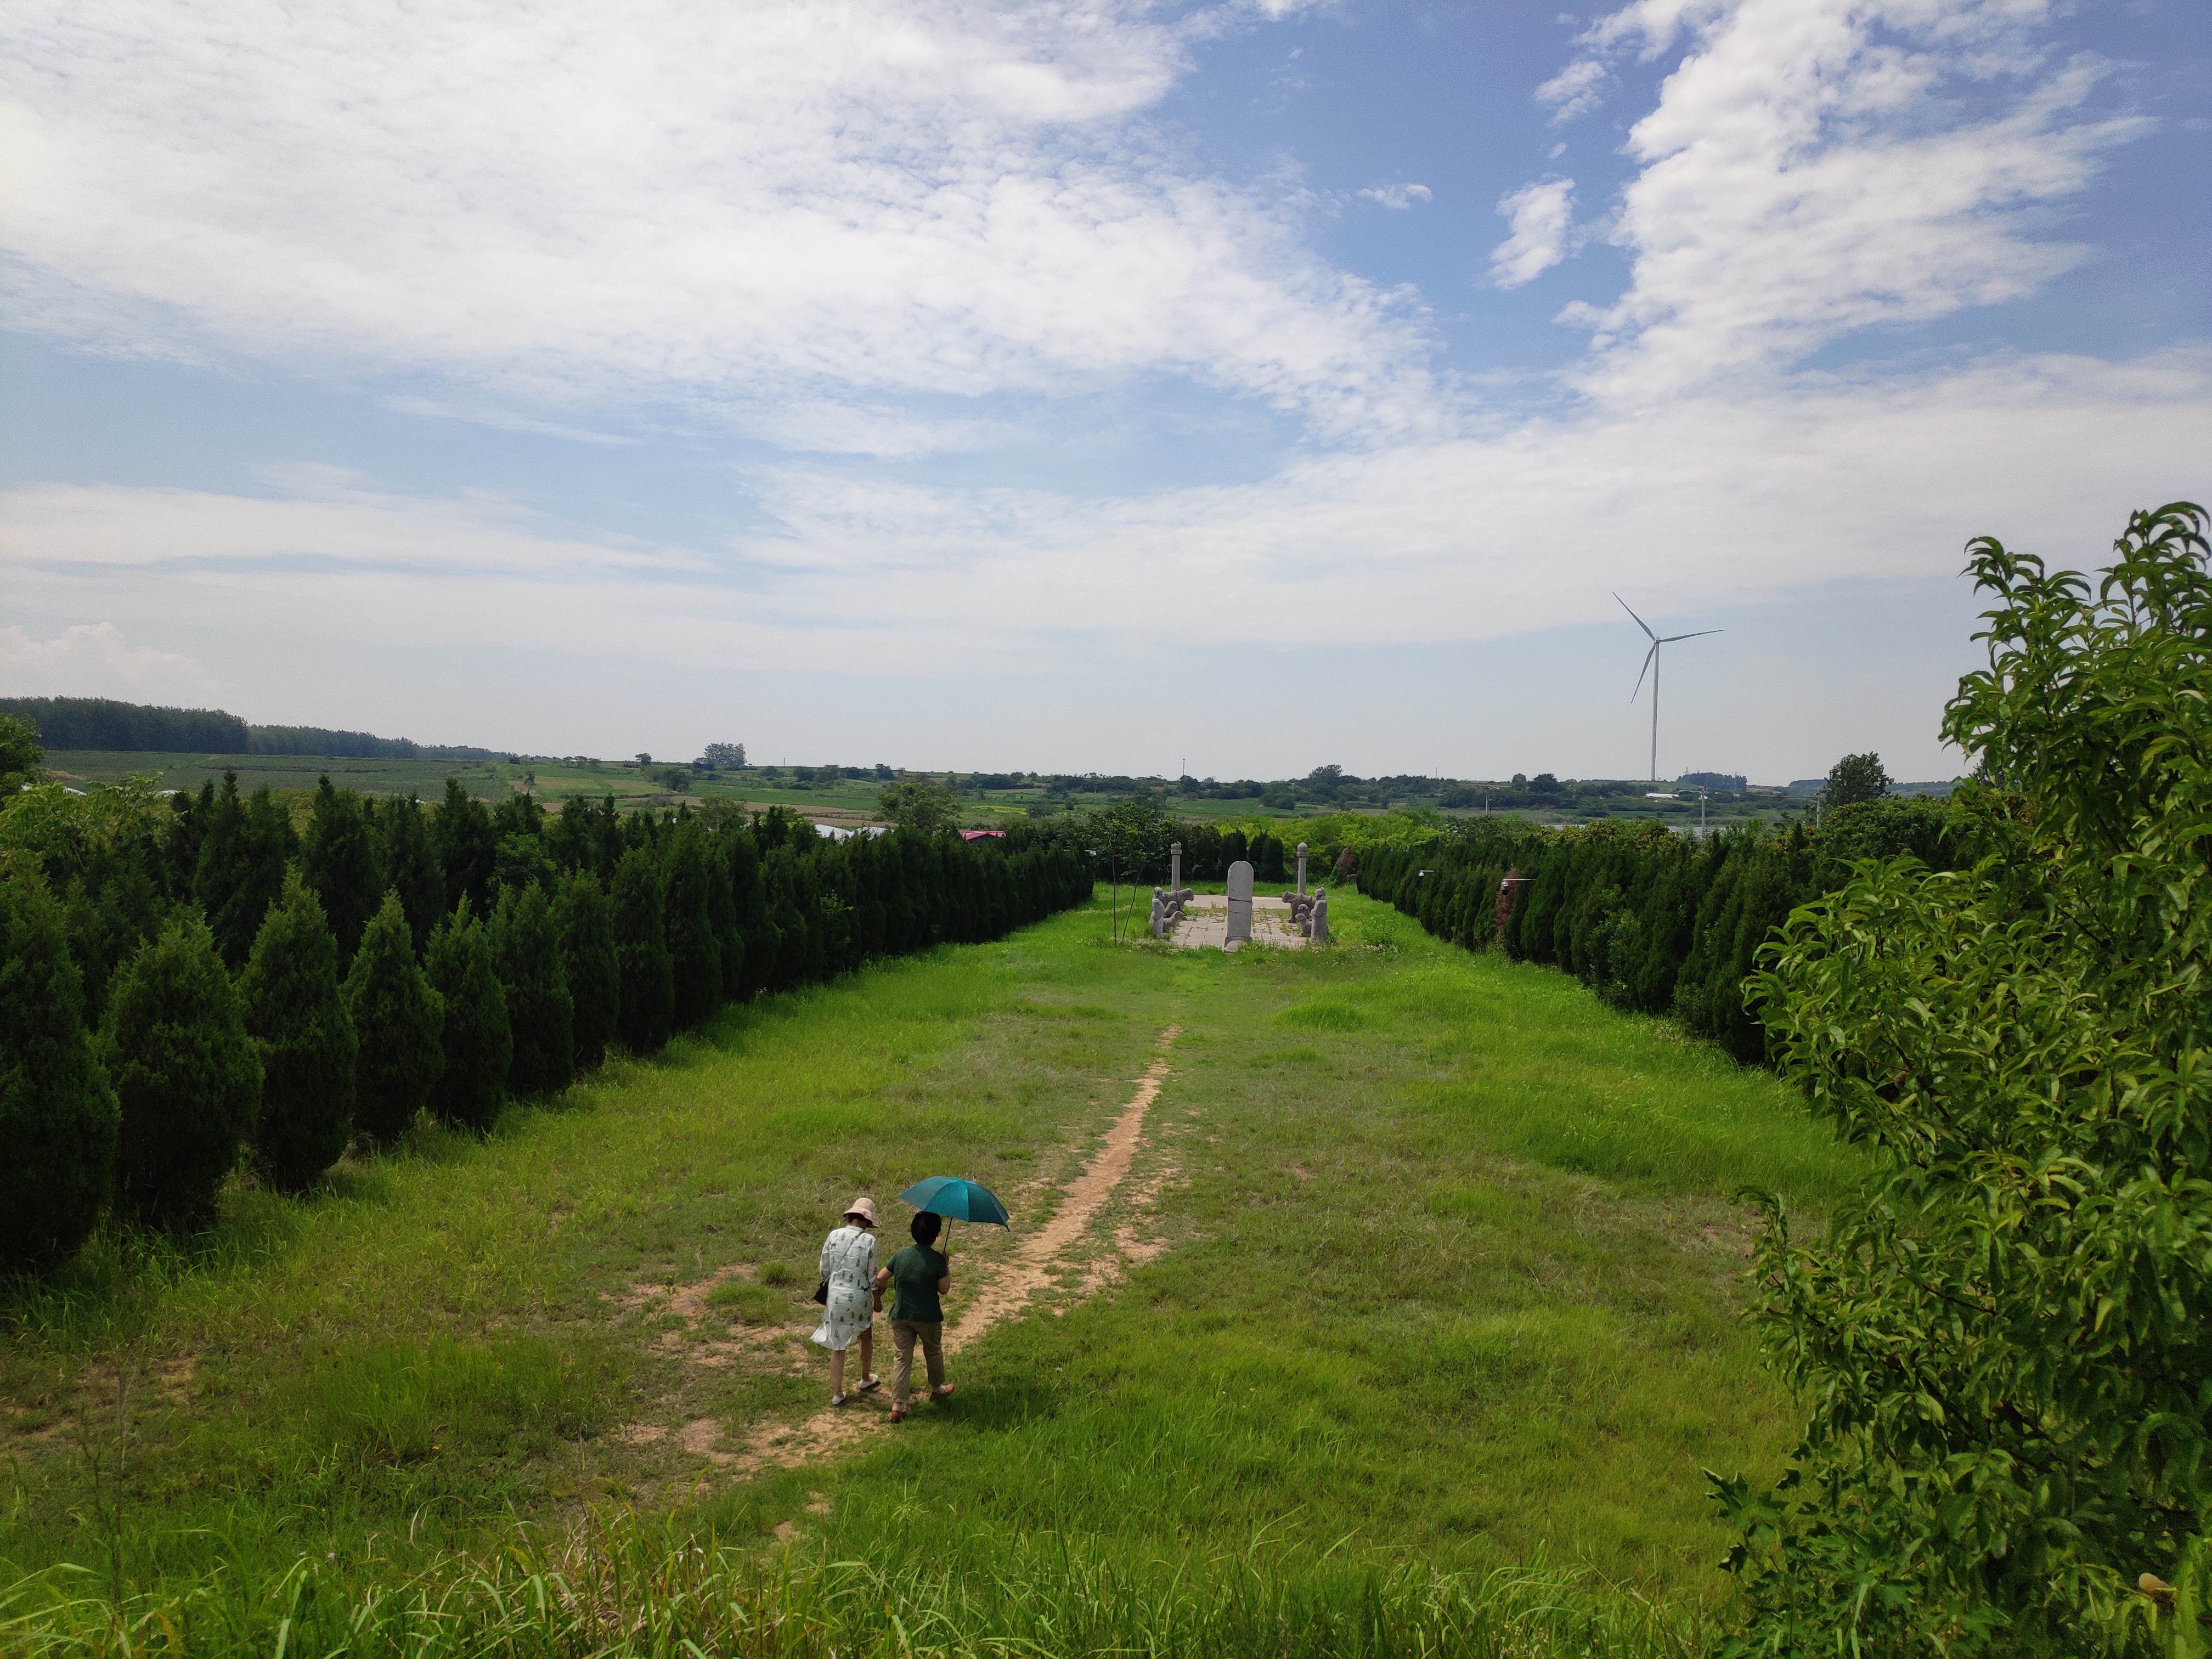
x: 1651, y: 667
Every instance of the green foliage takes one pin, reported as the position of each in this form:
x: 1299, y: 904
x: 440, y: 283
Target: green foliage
x: 647, y: 1010
x: 477, y: 1044
x: 186, y: 1074
x: 106, y: 855
x: 57, y: 1115
x: 22, y: 760
x: 526, y: 944
x: 918, y: 808
x: 695, y: 950
x: 467, y: 842
x: 1854, y: 779
x: 589, y: 965
x: 338, y: 857
x: 400, y: 1024
x: 244, y: 848
x: 296, y: 1009
x: 2004, y: 1340
x: 410, y: 866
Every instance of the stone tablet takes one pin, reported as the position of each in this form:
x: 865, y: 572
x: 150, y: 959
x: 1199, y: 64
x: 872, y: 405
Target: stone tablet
x: 1240, y: 905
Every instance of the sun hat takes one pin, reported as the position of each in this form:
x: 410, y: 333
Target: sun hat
x: 864, y: 1208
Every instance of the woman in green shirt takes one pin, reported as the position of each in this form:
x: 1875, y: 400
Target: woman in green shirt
x: 918, y: 1274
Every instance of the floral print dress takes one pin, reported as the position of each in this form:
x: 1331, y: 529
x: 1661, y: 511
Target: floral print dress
x: 848, y: 1262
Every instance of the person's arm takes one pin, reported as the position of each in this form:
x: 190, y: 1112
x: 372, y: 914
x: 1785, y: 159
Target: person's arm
x: 824, y: 1263
x: 945, y: 1280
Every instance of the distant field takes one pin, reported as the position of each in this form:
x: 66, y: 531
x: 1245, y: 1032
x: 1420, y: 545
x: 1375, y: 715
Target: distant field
x: 852, y: 801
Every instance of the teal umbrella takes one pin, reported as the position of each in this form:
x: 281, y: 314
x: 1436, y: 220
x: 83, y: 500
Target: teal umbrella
x: 956, y: 1199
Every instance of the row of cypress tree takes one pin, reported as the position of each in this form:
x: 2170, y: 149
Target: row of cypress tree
x: 1655, y: 922
x: 185, y: 984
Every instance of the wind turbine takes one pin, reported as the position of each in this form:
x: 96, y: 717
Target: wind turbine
x: 1651, y: 667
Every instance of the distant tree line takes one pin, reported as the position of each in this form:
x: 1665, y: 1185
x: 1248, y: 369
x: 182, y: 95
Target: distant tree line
x: 101, y: 723
x: 190, y: 983
x: 1655, y: 922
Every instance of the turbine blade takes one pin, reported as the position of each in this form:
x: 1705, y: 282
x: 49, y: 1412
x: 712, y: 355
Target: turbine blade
x: 1699, y: 635
x: 1647, y: 633
x: 1646, y: 669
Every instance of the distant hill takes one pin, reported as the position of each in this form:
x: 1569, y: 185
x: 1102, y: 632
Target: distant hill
x: 101, y: 723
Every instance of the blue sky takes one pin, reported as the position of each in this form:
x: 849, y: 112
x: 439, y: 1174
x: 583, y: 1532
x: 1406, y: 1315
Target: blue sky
x: 1085, y: 386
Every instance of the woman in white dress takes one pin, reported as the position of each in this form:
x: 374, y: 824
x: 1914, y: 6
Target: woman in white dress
x: 848, y: 1311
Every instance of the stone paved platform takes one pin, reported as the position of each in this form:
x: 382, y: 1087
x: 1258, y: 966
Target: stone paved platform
x: 1205, y: 924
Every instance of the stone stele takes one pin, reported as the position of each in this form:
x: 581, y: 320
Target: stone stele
x: 1240, y: 904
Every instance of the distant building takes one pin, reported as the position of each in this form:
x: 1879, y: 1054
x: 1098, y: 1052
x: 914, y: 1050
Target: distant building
x: 982, y: 834
x: 1729, y: 783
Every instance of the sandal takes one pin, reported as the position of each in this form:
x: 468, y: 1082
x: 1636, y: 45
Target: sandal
x: 898, y: 1413
x: 869, y: 1383
x: 839, y: 1399
x: 939, y: 1394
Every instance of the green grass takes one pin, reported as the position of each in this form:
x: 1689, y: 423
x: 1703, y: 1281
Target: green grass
x: 1443, y: 1331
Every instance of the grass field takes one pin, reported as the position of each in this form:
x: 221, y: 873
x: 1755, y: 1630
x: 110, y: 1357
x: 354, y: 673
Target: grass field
x: 849, y: 801
x: 1413, y: 1322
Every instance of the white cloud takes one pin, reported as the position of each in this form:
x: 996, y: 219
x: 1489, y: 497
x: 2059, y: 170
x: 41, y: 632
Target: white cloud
x: 1575, y: 90
x: 93, y: 659
x: 1815, y: 167
x: 1397, y: 198
x: 741, y: 207
x: 1541, y: 215
x: 1719, y: 500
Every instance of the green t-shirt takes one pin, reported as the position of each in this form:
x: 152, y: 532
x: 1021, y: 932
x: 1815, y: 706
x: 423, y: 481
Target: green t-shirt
x: 914, y: 1272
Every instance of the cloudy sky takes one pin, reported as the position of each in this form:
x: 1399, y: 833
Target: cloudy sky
x: 1082, y: 385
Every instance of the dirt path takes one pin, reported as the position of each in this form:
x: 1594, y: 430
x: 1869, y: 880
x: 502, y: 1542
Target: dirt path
x: 1038, y: 1262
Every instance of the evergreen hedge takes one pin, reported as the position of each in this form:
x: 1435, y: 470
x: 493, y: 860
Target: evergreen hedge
x: 634, y: 919
x: 1655, y: 922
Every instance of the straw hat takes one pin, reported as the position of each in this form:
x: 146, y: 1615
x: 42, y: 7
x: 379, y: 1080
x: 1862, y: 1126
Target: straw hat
x: 864, y: 1208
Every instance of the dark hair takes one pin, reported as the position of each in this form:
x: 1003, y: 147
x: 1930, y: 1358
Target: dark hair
x: 925, y: 1227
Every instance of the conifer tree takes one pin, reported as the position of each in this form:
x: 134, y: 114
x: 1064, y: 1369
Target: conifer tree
x: 527, y: 946
x: 647, y: 1008
x: 243, y: 857
x: 478, y: 1046
x: 339, y: 859
x: 296, y: 1010
x: 694, y: 951
x: 587, y: 923
x: 411, y: 866
x: 757, y: 966
x: 186, y: 1074
x: 57, y: 1115
x: 467, y: 848
x: 400, y: 1022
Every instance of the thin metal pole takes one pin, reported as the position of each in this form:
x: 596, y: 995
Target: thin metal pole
x: 1655, y: 714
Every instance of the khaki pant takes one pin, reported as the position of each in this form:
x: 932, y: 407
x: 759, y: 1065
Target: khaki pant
x: 905, y: 1333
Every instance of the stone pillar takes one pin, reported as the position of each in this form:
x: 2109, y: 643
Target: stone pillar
x: 1302, y: 866
x: 1240, y: 905
x: 1175, y: 867
x: 1317, y: 925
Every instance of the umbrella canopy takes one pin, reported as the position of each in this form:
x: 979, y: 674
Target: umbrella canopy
x: 956, y: 1199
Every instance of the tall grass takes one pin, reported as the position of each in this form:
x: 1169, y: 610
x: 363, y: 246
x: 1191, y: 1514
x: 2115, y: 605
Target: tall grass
x: 623, y: 1584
